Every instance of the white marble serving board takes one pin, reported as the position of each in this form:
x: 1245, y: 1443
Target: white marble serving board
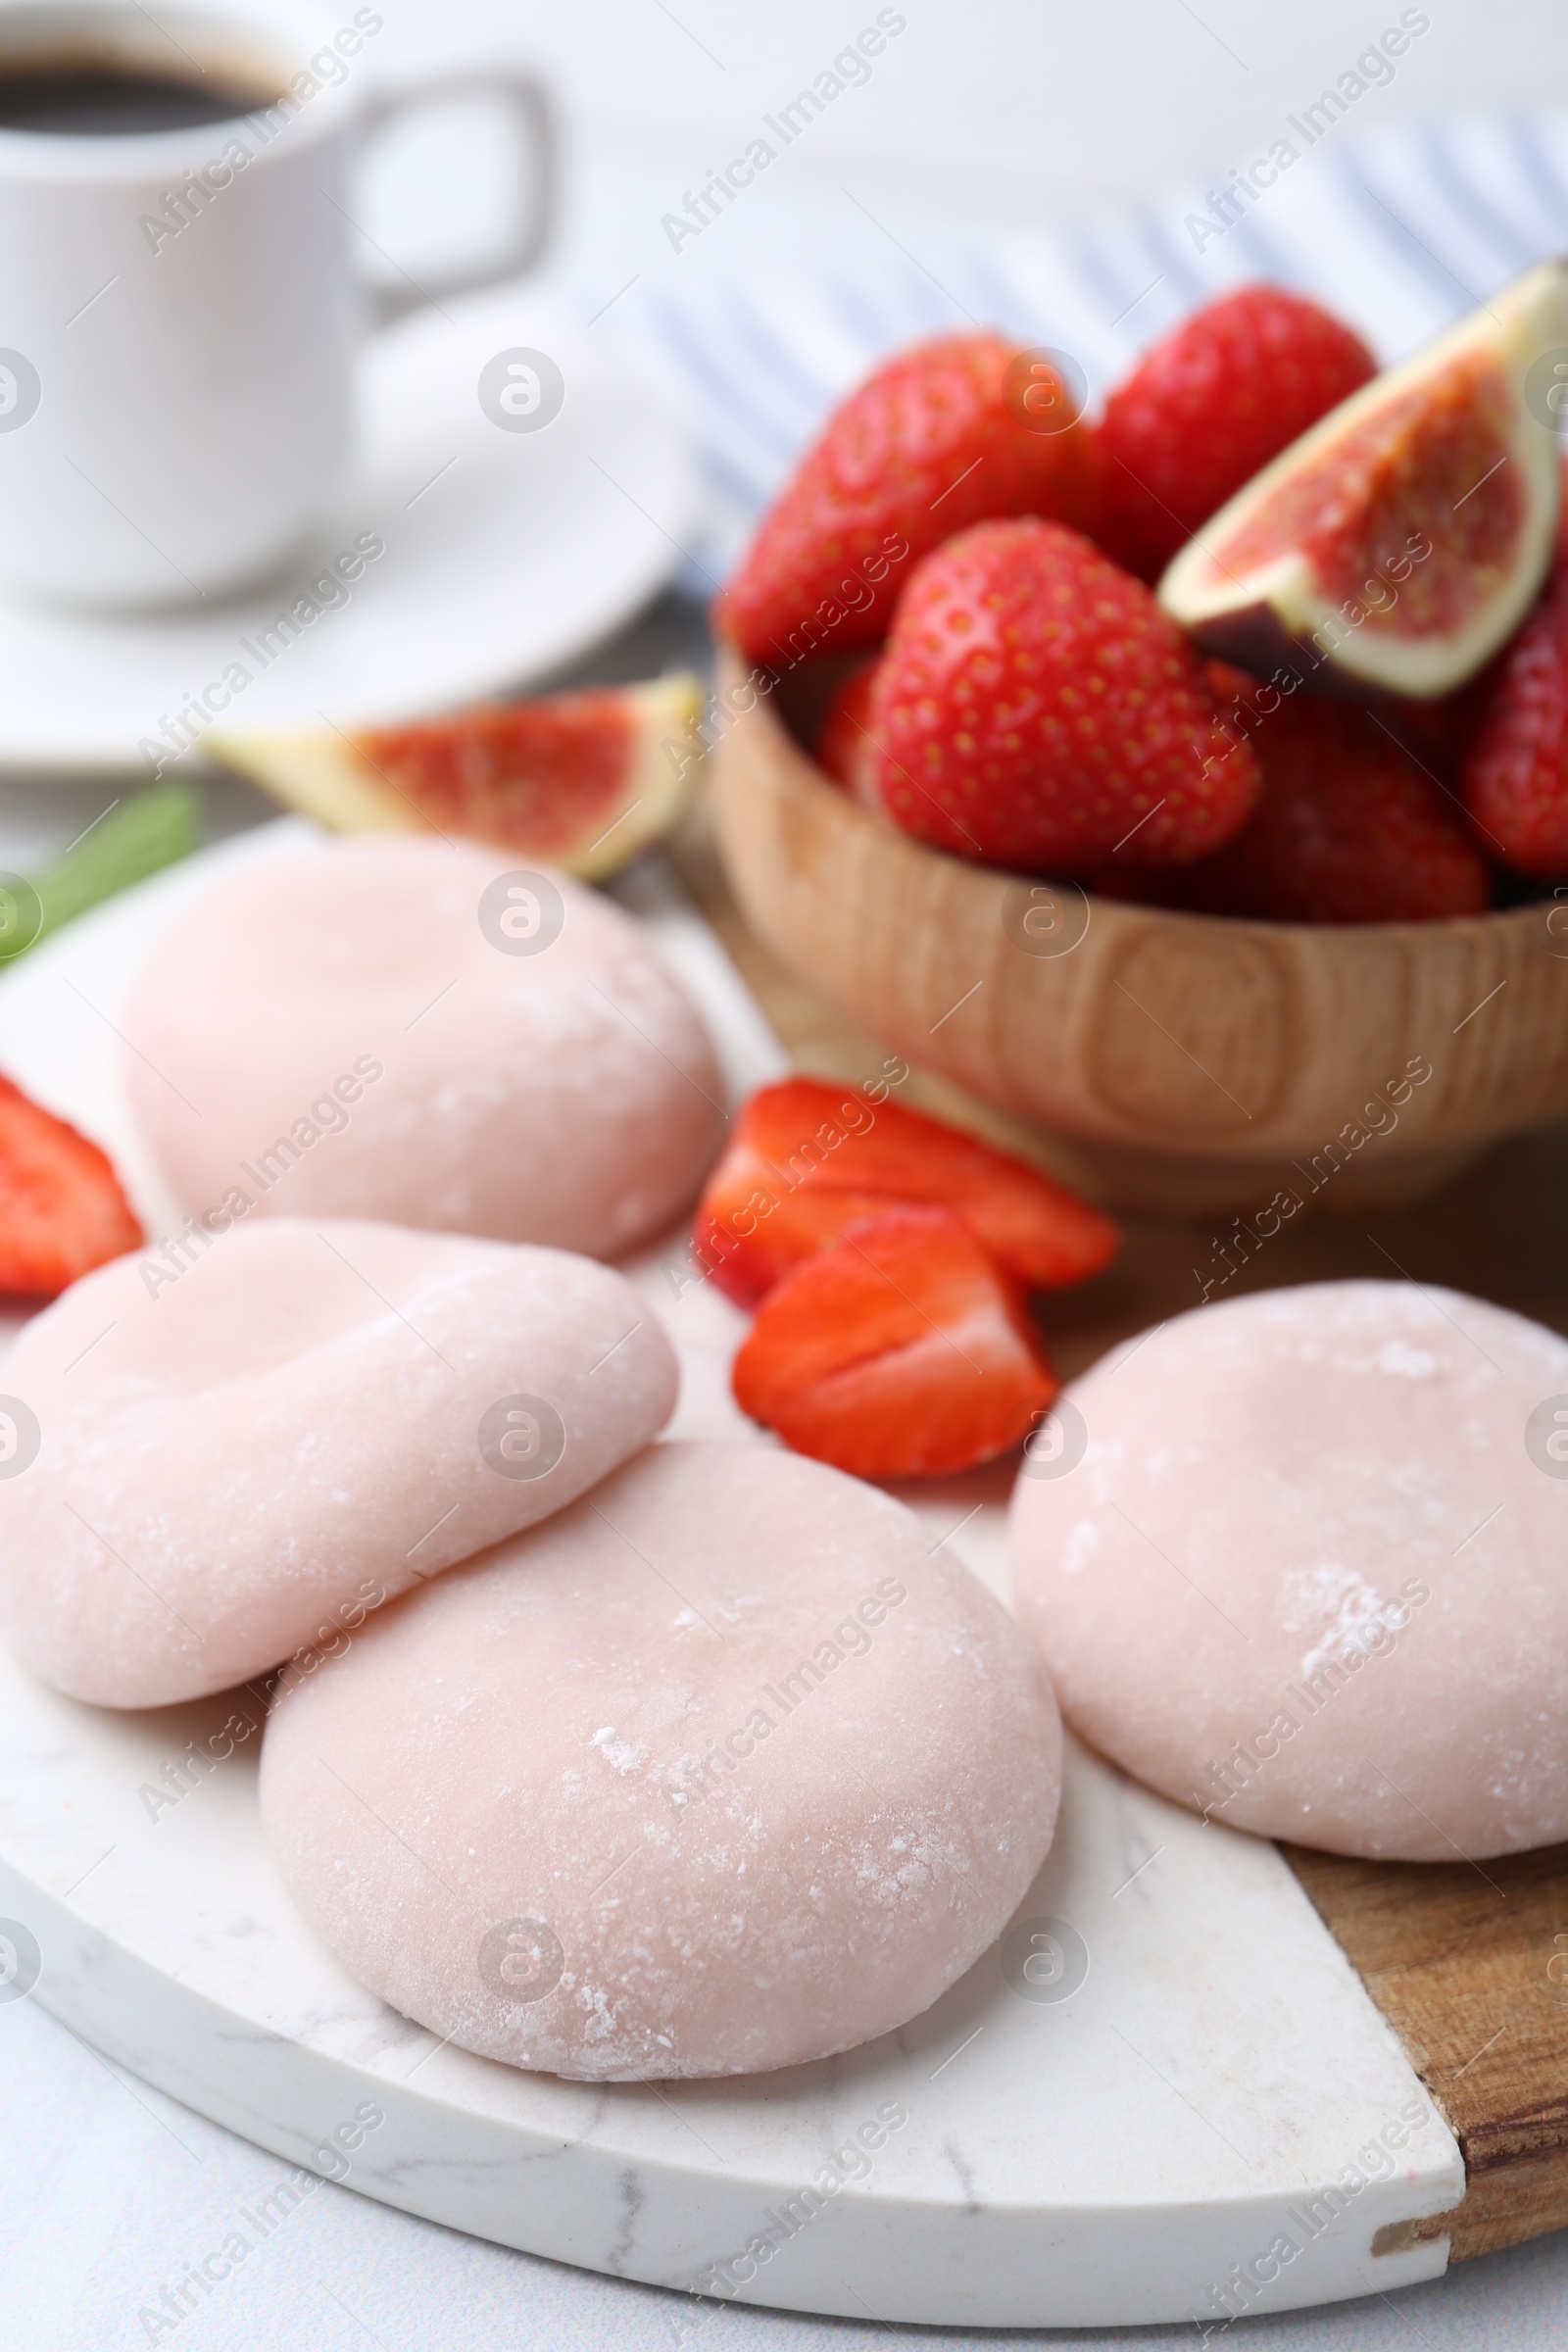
x: 1205, y: 2113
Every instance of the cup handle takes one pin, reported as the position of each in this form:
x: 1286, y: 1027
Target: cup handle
x: 534, y: 123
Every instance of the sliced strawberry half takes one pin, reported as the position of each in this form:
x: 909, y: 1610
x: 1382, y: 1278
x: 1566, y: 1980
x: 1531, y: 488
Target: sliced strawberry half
x: 904, y: 1352
x: 582, y: 781
x: 62, y: 1210
x: 805, y: 1159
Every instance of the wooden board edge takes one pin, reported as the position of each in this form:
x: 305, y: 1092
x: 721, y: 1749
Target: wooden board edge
x: 1459, y: 1961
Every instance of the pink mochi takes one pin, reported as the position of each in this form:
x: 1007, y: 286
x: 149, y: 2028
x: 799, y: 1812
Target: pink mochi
x: 721, y: 1770
x: 238, y: 1464
x: 399, y: 1027
x: 1300, y: 1561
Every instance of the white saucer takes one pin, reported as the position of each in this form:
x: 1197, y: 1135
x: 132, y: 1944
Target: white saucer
x: 507, y: 553
x: 1212, y: 2077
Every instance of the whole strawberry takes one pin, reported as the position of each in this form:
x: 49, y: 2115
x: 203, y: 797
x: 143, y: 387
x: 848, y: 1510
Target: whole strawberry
x: 938, y: 438
x: 1513, y: 769
x: 1208, y: 408
x: 1035, y: 707
x: 1349, y: 827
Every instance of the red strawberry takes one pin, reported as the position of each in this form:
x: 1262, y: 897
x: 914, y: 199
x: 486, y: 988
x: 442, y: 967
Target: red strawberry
x: 844, y: 738
x: 1349, y: 829
x: 935, y: 440
x: 1513, y: 769
x: 62, y: 1212
x: 1208, y: 408
x: 903, y: 1352
x: 1035, y: 706
x: 805, y: 1159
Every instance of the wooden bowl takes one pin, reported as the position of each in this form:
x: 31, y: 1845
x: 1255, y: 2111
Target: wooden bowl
x: 1169, y: 1063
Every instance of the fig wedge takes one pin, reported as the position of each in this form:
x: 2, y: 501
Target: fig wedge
x: 581, y: 781
x: 1399, y: 542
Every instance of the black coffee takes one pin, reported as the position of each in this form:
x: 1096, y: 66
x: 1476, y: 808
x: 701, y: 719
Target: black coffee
x: 112, y: 101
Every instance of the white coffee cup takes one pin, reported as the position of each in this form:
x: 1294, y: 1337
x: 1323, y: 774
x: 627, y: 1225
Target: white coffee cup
x: 178, y: 307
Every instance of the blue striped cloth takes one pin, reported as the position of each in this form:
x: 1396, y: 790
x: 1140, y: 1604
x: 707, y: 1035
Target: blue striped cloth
x: 1399, y: 233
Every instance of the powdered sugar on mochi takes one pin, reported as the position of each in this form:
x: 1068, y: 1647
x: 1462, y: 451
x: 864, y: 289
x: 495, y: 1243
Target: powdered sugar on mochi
x: 337, y: 1033
x: 250, y: 1459
x: 721, y: 1770
x: 1308, y: 1578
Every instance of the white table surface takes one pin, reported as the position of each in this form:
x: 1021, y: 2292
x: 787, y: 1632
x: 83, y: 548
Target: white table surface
x: 987, y: 113
x: 111, y: 2190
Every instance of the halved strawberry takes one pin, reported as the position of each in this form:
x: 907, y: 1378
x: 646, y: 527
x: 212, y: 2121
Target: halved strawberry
x: 62, y: 1212
x: 903, y: 1352
x: 807, y: 1159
